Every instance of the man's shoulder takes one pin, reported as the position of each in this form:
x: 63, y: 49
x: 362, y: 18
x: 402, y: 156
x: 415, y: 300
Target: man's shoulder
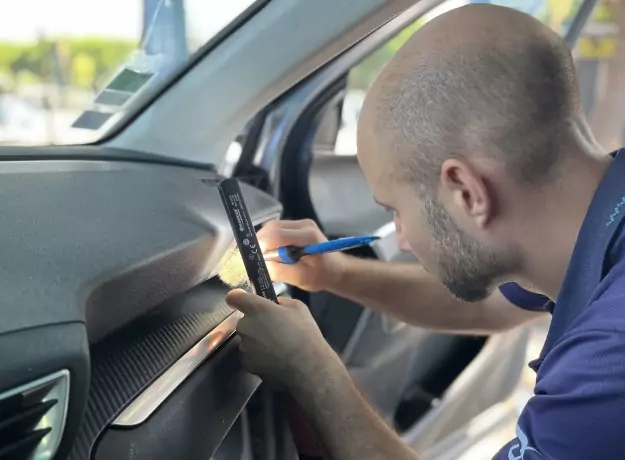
x: 606, y: 310
x: 578, y: 407
x: 599, y: 330
x: 613, y: 284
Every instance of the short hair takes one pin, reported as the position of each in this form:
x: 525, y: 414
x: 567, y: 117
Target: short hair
x: 501, y: 85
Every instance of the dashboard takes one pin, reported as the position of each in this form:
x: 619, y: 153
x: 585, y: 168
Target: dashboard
x: 105, y: 289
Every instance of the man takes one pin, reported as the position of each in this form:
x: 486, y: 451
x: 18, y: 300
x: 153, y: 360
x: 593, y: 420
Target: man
x: 473, y: 135
x: 403, y: 290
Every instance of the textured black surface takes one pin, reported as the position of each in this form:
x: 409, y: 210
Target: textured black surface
x: 193, y: 422
x: 127, y: 361
x: 102, y: 242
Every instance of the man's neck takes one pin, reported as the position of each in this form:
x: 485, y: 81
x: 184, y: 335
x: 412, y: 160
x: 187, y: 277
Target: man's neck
x: 553, y: 230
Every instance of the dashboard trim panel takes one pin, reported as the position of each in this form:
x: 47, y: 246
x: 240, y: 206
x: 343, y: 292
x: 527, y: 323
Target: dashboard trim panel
x: 149, y: 400
x: 154, y: 395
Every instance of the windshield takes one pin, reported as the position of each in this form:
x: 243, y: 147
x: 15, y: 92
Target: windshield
x: 68, y: 66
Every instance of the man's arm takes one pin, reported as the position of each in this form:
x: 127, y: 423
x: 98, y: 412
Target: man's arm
x: 346, y: 425
x: 403, y: 290
x: 282, y: 343
x: 577, y: 411
x: 407, y: 292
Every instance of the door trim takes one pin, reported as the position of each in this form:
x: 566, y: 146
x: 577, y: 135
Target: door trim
x: 154, y: 395
x: 147, y: 402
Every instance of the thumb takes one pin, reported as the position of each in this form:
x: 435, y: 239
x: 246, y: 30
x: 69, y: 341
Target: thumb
x: 247, y: 303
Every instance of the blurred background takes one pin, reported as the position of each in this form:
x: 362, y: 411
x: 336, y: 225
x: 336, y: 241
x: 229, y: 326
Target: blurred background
x: 61, y: 59
x: 66, y: 65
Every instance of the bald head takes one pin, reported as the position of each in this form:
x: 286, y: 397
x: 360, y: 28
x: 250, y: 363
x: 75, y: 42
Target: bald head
x: 479, y: 81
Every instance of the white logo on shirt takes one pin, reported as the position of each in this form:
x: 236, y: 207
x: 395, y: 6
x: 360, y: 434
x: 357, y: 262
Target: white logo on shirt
x: 517, y: 451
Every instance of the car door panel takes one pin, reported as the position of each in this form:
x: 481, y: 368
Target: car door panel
x: 489, y: 378
x: 109, y: 265
x: 341, y: 197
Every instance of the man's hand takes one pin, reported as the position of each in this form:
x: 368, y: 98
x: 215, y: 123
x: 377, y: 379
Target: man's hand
x: 281, y: 343
x: 311, y: 273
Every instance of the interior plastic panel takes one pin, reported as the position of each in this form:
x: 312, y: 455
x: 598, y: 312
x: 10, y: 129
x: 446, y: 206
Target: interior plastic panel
x: 337, y: 184
x: 127, y: 361
x: 28, y: 355
x: 490, y: 378
x: 102, y: 242
x: 105, y: 274
x: 184, y: 426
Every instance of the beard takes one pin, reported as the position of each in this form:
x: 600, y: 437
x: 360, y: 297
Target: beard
x: 466, y: 268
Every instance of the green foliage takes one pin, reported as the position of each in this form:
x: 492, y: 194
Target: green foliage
x: 83, y: 70
x: 85, y: 63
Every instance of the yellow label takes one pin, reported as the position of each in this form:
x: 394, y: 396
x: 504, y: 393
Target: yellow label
x: 603, y: 13
x: 598, y: 39
x: 596, y: 48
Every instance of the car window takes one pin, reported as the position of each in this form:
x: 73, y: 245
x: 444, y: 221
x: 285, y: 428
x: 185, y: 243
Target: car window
x: 68, y: 66
x: 558, y: 14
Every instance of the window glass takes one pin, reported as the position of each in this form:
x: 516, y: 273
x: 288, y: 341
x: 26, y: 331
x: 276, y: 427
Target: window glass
x: 557, y: 13
x: 600, y: 57
x: 68, y: 66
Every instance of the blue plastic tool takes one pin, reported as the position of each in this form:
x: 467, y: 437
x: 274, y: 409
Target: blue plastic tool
x: 292, y: 254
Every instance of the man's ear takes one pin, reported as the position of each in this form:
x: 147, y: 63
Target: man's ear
x: 465, y: 189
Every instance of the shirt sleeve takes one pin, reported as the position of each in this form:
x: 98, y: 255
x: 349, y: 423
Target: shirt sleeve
x: 523, y: 298
x: 578, y: 411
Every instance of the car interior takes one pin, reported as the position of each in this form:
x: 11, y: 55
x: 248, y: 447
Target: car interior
x: 116, y: 342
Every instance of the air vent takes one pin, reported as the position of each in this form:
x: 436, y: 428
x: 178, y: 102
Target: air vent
x: 32, y: 418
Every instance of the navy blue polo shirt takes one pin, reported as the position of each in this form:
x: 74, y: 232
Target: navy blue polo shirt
x: 578, y: 407
x: 524, y: 299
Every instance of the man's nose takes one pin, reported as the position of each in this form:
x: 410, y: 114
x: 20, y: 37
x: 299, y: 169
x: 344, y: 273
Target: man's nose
x: 402, y: 243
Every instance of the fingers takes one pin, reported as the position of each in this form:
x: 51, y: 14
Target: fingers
x: 244, y: 357
x: 291, y: 303
x: 284, y: 233
x: 244, y: 327
x: 285, y: 273
x: 290, y: 224
x: 285, y: 237
x: 247, y: 303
